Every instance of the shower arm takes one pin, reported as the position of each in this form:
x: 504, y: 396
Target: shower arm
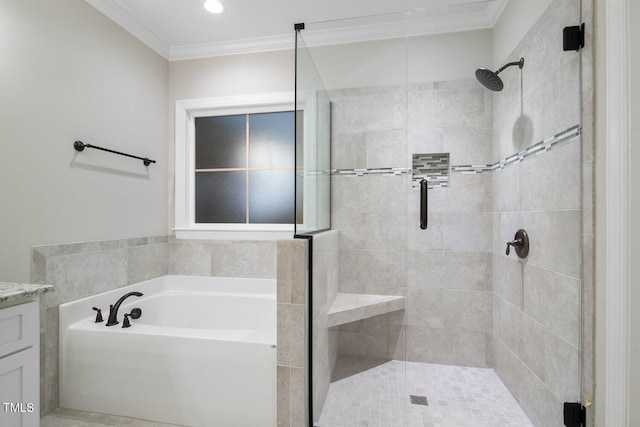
x: 519, y: 63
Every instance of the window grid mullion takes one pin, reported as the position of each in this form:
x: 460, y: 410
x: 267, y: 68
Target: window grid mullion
x: 247, y: 170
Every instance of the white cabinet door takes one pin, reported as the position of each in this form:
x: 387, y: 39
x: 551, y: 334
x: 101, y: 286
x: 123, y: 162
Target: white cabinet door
x: 19, y: 389
x: 18, y: 327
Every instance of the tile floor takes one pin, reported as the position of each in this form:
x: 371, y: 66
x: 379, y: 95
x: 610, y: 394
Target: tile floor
x: 380, y: 396
x: 71, y: 418
x: 457, y: 397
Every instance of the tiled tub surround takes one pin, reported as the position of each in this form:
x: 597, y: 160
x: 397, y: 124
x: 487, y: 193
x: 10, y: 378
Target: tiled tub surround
x: 292, y: 363
x: 79, y: 270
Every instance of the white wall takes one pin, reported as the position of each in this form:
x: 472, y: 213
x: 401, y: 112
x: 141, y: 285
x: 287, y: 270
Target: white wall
x: 514, y: 22
x: 68, y: 73
x: 232, y: 75
x: 225, y: 76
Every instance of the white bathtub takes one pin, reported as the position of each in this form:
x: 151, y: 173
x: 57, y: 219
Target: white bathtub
x: 202, y: 354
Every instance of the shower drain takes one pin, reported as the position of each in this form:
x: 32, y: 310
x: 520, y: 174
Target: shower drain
x: 419, y: 400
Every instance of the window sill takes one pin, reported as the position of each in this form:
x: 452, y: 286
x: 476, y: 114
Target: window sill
x: 281, y: 233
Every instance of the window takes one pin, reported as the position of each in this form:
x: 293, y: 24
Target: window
x: 245, y: 168
x: 235, y: 167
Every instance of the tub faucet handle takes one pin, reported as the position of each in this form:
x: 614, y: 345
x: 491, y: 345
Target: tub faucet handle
x: 135, y: 313
x: 98, y: 315
x: 125, y: 322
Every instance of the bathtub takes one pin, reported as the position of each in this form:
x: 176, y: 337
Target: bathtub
x: 202, y: 353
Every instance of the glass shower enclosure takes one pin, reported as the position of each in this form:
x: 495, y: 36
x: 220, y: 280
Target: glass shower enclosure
x: 444, y: 325
x: 313, y: 146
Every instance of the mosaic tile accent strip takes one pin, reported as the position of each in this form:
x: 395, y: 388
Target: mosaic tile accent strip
x: 372, y: 171
x: 458, y: 396
x: 548, y: 144
x: 434, y: 167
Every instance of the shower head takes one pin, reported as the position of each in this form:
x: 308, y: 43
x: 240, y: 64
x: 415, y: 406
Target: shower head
x: 490, y: 79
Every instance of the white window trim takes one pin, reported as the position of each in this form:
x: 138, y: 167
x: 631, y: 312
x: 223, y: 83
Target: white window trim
x: 613, y: 390
x: 185, y: 113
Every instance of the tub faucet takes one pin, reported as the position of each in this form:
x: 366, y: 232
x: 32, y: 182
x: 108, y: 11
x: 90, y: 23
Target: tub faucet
x: 113, y: 309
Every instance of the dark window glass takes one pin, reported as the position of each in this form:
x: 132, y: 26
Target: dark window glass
x: 271, y: 196
x: 221, y: 197
x: 221, y: 142
x: 271, y: 140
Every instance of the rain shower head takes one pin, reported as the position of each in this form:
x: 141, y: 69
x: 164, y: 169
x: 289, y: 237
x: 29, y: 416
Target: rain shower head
x: 490, y: 79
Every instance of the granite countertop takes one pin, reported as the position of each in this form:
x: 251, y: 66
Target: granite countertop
x: 14, y: 291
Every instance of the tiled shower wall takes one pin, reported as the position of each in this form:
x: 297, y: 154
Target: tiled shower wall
x: 325, y: 340
x: 444, y: 271
x: 587, y: 210
x: 293, y: 317
x: 536, y: 302
x: 467, y: 302
x: 83, y: 269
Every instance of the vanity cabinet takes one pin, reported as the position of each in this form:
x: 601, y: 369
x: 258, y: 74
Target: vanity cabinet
x: 20, y: 365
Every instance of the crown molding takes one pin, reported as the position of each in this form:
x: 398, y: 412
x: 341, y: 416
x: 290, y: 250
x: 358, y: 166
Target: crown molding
x: 117, y: 14
x: 342, y: 35
x: 496, y: 11
x: 414, y: 27
x: 232, y: 47
x: 421, y: 26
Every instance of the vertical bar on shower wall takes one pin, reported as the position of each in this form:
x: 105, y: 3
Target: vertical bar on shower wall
x: 424, y: 204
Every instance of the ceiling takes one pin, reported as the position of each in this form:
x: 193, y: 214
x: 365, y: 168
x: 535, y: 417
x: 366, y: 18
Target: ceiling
x: 183, y: 29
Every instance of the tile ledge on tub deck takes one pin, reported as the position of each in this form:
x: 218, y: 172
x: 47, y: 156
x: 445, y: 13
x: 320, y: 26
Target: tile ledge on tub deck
x: 14, y: 291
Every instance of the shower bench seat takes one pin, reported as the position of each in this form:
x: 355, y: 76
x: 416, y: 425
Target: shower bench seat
x: 353, y: 307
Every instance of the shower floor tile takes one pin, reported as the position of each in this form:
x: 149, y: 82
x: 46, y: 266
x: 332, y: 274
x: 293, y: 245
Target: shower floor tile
x: 457, y: 397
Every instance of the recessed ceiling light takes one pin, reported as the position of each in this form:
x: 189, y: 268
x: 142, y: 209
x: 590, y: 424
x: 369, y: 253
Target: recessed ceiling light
x: 214, y: 6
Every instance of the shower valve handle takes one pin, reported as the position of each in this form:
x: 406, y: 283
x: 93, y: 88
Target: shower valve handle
x: 520, y: 244
x: 514, y: 243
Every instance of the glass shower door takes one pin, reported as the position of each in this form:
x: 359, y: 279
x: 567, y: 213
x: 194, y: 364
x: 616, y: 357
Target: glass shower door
x: 485, y: 336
